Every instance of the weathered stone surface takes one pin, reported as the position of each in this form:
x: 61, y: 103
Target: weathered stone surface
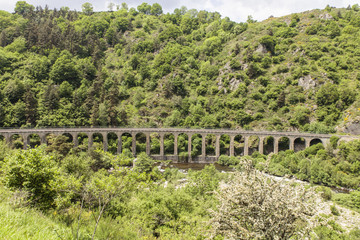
x: 307, y: 82
x: 353, y: 128
x: 261, y: 49
x: 326, y: 16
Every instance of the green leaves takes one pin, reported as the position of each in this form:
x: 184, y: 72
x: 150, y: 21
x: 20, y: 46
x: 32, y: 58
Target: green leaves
x: 32, y: 171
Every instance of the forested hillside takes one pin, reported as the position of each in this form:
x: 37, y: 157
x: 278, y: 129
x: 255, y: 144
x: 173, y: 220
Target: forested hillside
x: 142, y: 67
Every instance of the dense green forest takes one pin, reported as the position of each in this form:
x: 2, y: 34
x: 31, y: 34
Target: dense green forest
x: 142, y: 67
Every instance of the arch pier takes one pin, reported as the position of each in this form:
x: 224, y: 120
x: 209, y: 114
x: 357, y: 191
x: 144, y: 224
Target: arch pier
x: 185, y: 145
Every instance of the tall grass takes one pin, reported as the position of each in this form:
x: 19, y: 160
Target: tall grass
x: 29, y: 224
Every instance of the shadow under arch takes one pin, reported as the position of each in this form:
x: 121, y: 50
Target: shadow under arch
x: 269, y: 142
x: 169, y: 144
x: 183, y: 140
x: 284, y: 144
x: 225, y: 144
x: 112, y: 140
x: 83, y: 141
x: 210, y: 141
x: 126, y: 142
x: 155, y: 143
x: 34, y: 140
x: 196, y: 145
x: 140, y: 143
x: 299, y: 144
x: 239, y: 144
x: 69, y: 137
x: 16, y: 141
x: 315, y: 141
x: 98, y: 141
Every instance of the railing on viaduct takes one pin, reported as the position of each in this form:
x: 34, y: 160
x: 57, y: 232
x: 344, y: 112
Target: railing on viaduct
x: 307, y: 139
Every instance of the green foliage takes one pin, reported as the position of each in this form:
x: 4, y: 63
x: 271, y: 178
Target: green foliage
x: 23, y: 8
x: 228, y: 161
x: 87, y: 8
x: 32, y: 171
x: 143, y: 163
x: 141, y: 67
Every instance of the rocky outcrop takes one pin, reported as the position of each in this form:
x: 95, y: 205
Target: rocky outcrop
x: 261, y: 49
x: 352, y: 128
x: 326, y: 16
x: 307, y: 82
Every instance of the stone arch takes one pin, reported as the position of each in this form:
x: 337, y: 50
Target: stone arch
x: 269, y: 142
x: 69, y: 137
x: 17, y: 141
x: 315, y: 141
x: 253, y: 144
x: 155, y: 143
x: 126, y: 142
x: 112, y: 140
x: 239, y: 144
x: 284, y: 144
x: 97, y: 140
x: 34, y: 140
x: 83, y: 141
x: 196, y: 145
x: 210, y: 142
x: 140, y: 142
x: 225, y: 144
x: 299, y: 144
x: 169, y: 144
x: 183, y: 147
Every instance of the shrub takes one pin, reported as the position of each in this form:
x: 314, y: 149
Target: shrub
x: 32, y: 171
x: 228, y: 160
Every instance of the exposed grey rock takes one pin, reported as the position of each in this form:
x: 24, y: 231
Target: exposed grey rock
x: 234, y: 84
x: 307, y: 82
x: 261, y: 49
x: 353, y: 128
x: 326, y: 16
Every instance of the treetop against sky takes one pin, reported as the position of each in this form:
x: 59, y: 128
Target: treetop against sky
x: 236, y: 10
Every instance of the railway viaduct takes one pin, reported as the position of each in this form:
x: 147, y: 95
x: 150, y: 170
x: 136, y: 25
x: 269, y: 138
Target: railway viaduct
x: 249, y: 141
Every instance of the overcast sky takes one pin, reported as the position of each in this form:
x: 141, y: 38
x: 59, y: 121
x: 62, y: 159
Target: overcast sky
x: 237, y: 10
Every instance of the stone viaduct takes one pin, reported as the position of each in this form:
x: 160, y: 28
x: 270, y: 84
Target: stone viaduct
x: 249, y: 141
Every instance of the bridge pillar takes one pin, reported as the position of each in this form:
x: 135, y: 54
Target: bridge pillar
x: 119, y: 145
x: 90, y: 140
x: 133, y: 146
x: 292, y: 143
x: 246, y: 145
x: 75, y: 139
x: 307, y: 142
x: 7, y: 139
x: 26, y: 140
x: 42, y: 138
x: 276, y: 144
x: 147, y: 144
x: 217, y: 146
x: 261, y: 145
x: 203, y: 147
x: 189, y: 147
x: 105, y: 141
x: 232, y: 137
x: 162, y: 154
x: 176, y: 144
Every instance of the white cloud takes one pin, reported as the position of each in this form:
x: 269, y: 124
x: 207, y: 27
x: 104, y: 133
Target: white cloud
x: 237, y: 10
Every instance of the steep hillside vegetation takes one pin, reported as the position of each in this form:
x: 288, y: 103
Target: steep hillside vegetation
x: 141, y: 67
